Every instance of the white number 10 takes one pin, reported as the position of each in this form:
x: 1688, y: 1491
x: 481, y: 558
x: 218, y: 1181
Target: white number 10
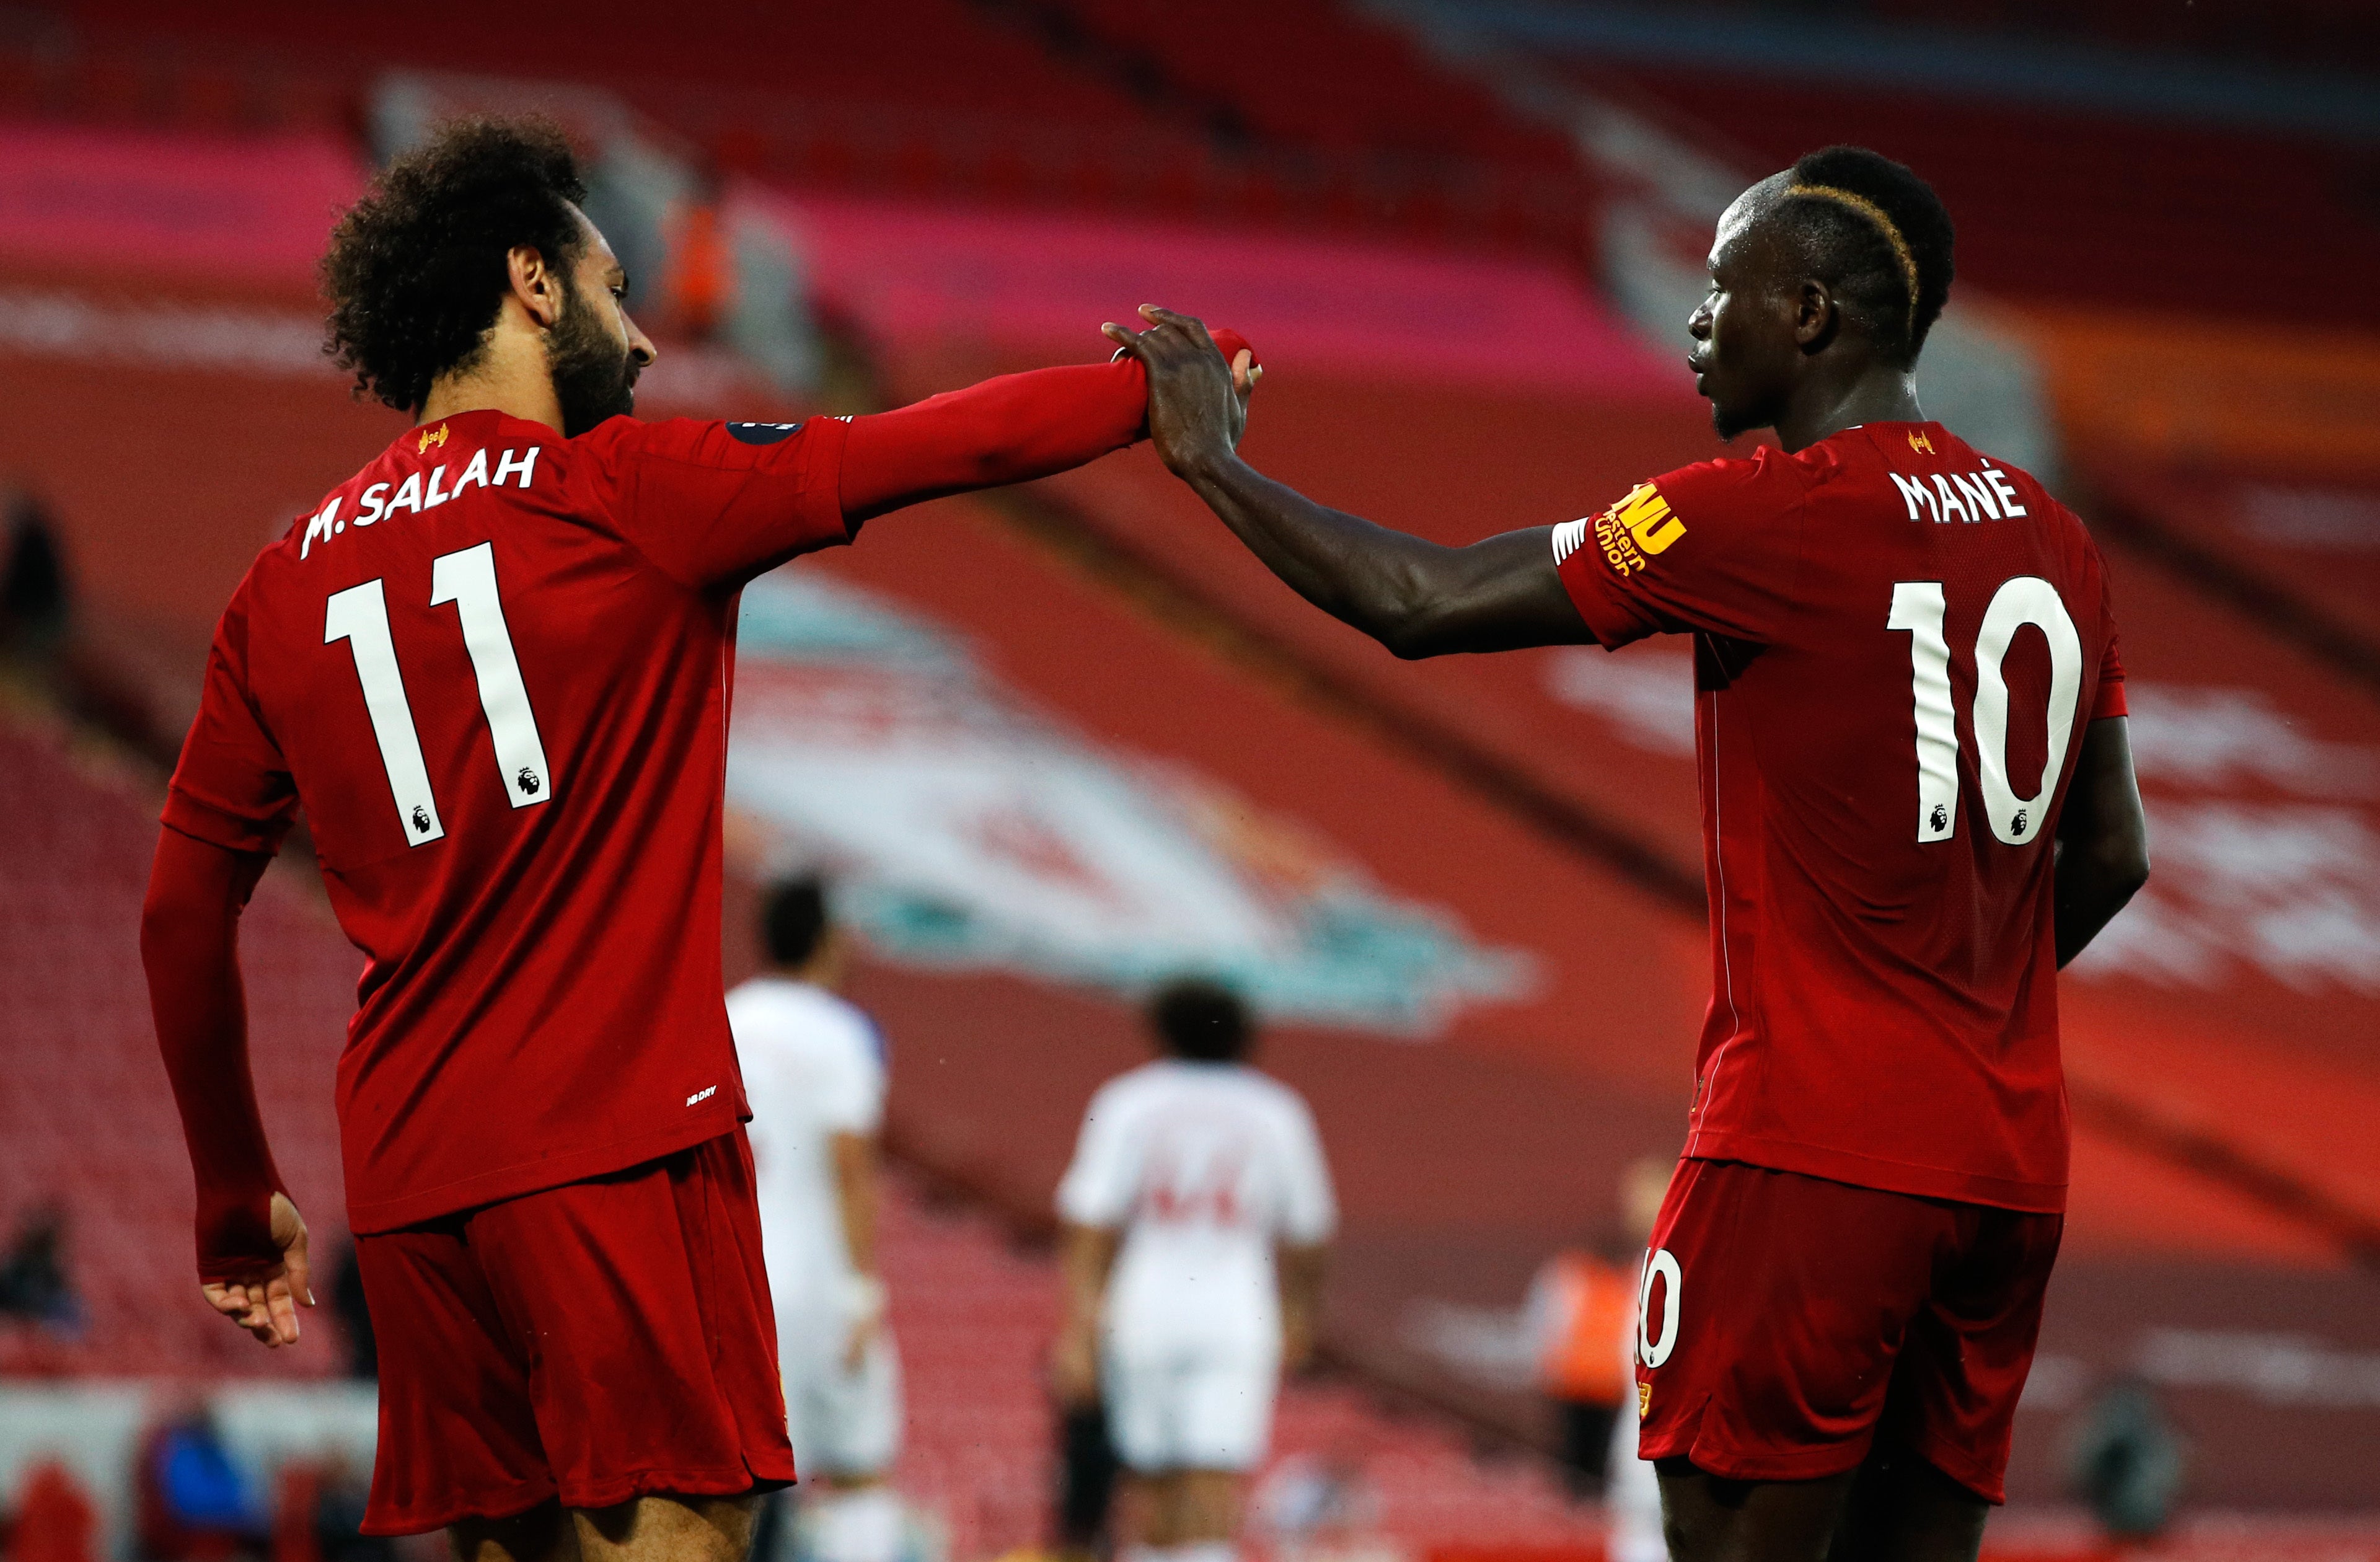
x: 1917, y: 606
x: 359, y: 617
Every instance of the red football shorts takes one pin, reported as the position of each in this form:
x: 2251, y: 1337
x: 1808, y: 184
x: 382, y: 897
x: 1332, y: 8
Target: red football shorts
x: 598, y: 1341
x: 1786, y: 1318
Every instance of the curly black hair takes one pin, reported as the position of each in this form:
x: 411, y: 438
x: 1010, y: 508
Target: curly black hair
x: 795, y: 919
x: 1881, y: 236
x: 1202, y: 1020
x: 416, y: 269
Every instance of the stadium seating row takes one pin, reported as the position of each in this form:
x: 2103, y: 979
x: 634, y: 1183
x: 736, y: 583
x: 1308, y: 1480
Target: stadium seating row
x: 2061, y: 205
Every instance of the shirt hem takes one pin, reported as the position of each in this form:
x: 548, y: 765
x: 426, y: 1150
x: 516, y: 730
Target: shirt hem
x: 1870, y: 1171
x: 371, y: 1218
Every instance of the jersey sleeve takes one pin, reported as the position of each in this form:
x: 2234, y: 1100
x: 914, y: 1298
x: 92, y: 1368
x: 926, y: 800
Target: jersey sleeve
x: 714, y: 503
x: 1713, y: 546
x: 231, y: 787
x: 1309, y: 1210
x: 1011, y: 429
x: 1100, y: 1185
x: 851, y: 1086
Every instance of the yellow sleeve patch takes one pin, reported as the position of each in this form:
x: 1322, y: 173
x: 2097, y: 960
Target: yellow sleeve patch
x: 1639, y: 525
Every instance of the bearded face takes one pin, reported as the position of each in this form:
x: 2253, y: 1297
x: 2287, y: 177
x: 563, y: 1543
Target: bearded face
x: 594, y: 372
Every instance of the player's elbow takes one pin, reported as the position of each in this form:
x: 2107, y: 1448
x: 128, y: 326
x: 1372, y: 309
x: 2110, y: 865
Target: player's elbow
x: 1416, y: 627
x: 2131, y: 868
x: 1407, y: 641
x: 2120, y: 861
x: 172, y: 920
x: 190, y: 910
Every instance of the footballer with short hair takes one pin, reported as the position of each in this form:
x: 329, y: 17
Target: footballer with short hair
x: 494, y: 669
x: 1918, y: 803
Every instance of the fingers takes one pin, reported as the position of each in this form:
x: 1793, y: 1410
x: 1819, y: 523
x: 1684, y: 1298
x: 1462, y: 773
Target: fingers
x: 1188, y: 330
x: 1244, y: 372
x: 272, y: 1320
x: 280, y: 1312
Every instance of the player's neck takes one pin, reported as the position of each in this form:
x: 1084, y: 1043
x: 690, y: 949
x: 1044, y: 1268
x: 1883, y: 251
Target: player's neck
x: 511, y: 377
x: 1825, y: 407
x: 825, y: 975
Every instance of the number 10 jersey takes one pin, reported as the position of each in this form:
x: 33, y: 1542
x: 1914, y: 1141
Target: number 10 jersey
x: 494, y: 668
x: 1898, y: 642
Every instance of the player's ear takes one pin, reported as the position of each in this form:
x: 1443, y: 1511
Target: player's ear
x: 535, y: 282
x: 1816, y: 316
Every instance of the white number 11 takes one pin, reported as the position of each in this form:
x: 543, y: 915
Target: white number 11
x: 359, y: 617
x: 1917, y: 607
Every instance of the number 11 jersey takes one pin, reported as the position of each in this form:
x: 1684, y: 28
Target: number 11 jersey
x: 494, y: 668
x: 1898, y: 642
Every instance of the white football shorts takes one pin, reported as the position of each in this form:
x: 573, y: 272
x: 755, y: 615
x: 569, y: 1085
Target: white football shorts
x: 844, y: 1422
x: 1190, y: 1410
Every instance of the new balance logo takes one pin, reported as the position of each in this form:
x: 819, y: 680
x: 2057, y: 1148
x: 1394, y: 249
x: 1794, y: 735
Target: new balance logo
x: 702, y: 1095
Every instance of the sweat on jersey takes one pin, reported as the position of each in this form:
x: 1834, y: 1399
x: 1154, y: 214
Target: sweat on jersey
x: 1898, y: 642
x: 1203, y: 1166
x: 494, y: 668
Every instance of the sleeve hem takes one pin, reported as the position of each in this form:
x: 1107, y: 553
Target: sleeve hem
x: 1615, y: 623
x: 822, y: 486
x: 187, y: 815
x: 2111, y: 702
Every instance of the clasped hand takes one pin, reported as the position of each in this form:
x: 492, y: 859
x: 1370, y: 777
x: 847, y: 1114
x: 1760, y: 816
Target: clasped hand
x: 1197, y: 392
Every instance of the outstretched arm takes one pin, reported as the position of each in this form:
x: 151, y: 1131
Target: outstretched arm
x: 1416, y: 597
x: 2103, y: 838
x: 251, y: 1241
x: 1006, y: 430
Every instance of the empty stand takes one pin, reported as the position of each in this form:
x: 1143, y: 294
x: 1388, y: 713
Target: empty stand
x: 86, y: 1120
x: 1000, y: 100
x: 2066, y: 206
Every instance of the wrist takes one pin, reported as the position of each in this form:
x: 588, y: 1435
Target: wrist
x: 1208, y: 466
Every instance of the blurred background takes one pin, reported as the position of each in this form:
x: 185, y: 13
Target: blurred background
x: 1055, y: 742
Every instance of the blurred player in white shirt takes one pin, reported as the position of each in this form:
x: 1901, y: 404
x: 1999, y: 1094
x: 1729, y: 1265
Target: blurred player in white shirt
x: 814, y: 1071
x: 1197, y: 1210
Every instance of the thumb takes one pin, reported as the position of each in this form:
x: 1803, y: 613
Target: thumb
x: 293, y: 1237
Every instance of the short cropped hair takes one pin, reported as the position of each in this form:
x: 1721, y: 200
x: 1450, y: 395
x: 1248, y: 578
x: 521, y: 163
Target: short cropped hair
x: 793, y: 921
x: 1202, y: 1020
x: 417, y: 269
x: 1882, y: 239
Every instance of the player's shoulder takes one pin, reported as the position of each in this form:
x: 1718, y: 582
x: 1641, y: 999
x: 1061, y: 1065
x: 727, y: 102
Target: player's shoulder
x: 424, y: 467
x: 709, y: 442
x: 779, y: 1008
x: 1766, y: 472
x: 1151, y: 1085
x: 1276, y: 1097
x: 1725, y: 492
x: 1241, y: 1087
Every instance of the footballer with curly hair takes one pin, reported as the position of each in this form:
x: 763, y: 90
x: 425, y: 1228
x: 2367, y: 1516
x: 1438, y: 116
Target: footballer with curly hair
x: 1918, y: 803
x: 493, y: 668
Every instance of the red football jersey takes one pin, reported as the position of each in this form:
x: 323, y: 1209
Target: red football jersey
x: 495, y: 668
x: 1898, y: 642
